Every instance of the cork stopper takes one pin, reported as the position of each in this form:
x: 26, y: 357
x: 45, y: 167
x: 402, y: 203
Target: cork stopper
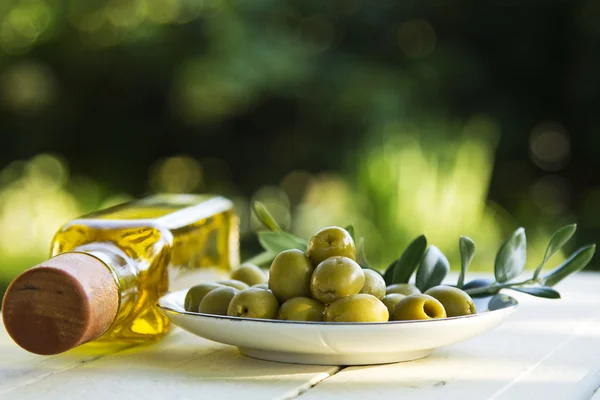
x: 60, y: 304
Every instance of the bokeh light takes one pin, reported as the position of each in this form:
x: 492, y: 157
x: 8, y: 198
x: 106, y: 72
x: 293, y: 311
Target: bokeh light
x: 400, y: 119
x: 318, y: 33
x: 201, y: 91
x: 550, y: 146
x: 36, y: 199
x: 28, y: 87
x: 416, y: 38
x: 294, y: 184
x: 551, y: 194
x: 24, y: 25
x: 179, y: 174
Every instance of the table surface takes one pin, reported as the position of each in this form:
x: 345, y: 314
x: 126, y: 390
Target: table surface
x: 548, y: 349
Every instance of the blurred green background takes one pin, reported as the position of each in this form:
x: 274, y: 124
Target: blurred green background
x: 443, y: 117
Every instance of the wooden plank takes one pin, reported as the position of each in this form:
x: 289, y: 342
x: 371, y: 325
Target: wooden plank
x: 19, y: 367
x: 548, y: 349
x: 181, y: 366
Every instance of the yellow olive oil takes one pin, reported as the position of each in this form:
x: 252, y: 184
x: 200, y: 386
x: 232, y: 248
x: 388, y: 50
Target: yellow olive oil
x: 153, y: 245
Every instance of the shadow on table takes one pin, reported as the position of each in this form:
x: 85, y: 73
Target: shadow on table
x: 536, y: 329
x: 178, y: 355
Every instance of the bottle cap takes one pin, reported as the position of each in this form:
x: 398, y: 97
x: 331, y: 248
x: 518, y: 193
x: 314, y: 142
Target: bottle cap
x: 60, y: 304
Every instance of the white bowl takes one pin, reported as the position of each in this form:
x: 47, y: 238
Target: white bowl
x: 329, y: 343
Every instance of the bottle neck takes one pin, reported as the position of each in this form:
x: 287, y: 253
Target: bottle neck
x: 121, y: 266
x: 123, y: 269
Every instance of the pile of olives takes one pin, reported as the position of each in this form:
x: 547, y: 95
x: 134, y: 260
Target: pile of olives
x: 323, y: 284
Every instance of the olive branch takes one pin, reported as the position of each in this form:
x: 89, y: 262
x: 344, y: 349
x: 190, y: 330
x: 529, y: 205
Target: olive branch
x: 430, y: 266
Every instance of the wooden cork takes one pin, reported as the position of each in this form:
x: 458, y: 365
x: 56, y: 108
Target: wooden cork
x: 60, y: 304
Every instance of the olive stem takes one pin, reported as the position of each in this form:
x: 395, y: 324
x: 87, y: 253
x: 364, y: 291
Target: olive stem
x: 537, y: 272
x: 497, y: 286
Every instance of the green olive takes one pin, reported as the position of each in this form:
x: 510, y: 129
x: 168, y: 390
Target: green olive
x: 239, y: 285
x: 335, y: 278
x: 374, y: 284
x: 330, y: 242
x: 254, y: 303
x: 455, y: 301
x: 418, y: 306
x: 262, y: 286
x: 357, y: 308
x: 196, y: 293
x: 217, y: 301
x: 301, y: 309
x: 250, y: 274
x: 390, y: 301
x: 403, y: 288
x: 290, y: 275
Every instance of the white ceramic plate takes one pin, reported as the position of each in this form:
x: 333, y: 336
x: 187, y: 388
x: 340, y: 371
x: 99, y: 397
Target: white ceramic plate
x: 338, y: 343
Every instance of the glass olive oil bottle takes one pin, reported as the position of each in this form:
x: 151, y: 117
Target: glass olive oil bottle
x: 109, y: 268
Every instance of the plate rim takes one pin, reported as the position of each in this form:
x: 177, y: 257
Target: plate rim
x: 512, y: 305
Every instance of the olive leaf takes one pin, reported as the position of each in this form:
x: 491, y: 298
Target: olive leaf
x: 467, y: 251
x: 433, y: 269
x: 511, y: 257
x: 402, y: 269
x: 500, y: 301
x: 477, y: 283
x: 576, y: 262
x: 276, y: 242
x: 480, y: 288
x: 538, y: 291
x: 557, y: 241
x: 388, y: 274
x: 265, y: 217
x: 350, y: 230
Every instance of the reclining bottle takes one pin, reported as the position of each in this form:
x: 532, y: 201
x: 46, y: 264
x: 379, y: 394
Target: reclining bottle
x: 109, y: 268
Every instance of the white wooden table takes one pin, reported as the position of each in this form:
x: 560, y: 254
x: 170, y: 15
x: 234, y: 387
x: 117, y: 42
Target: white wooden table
x: 548, y: 349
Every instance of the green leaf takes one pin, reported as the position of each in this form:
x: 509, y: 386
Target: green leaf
x: 265, y: 217
x: 388, y: 275
x: 557, y: 241
x: 433, y: 269
x: 276, y: 242
x: 467, y: 251
x: 501, y: 301
x: 539, y: 291
x: 480, y: 288
x: 511, y: 257
x: 576, y: 262
x: 478, y: 283
x: 404, y: 267
x: 350, y: 229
